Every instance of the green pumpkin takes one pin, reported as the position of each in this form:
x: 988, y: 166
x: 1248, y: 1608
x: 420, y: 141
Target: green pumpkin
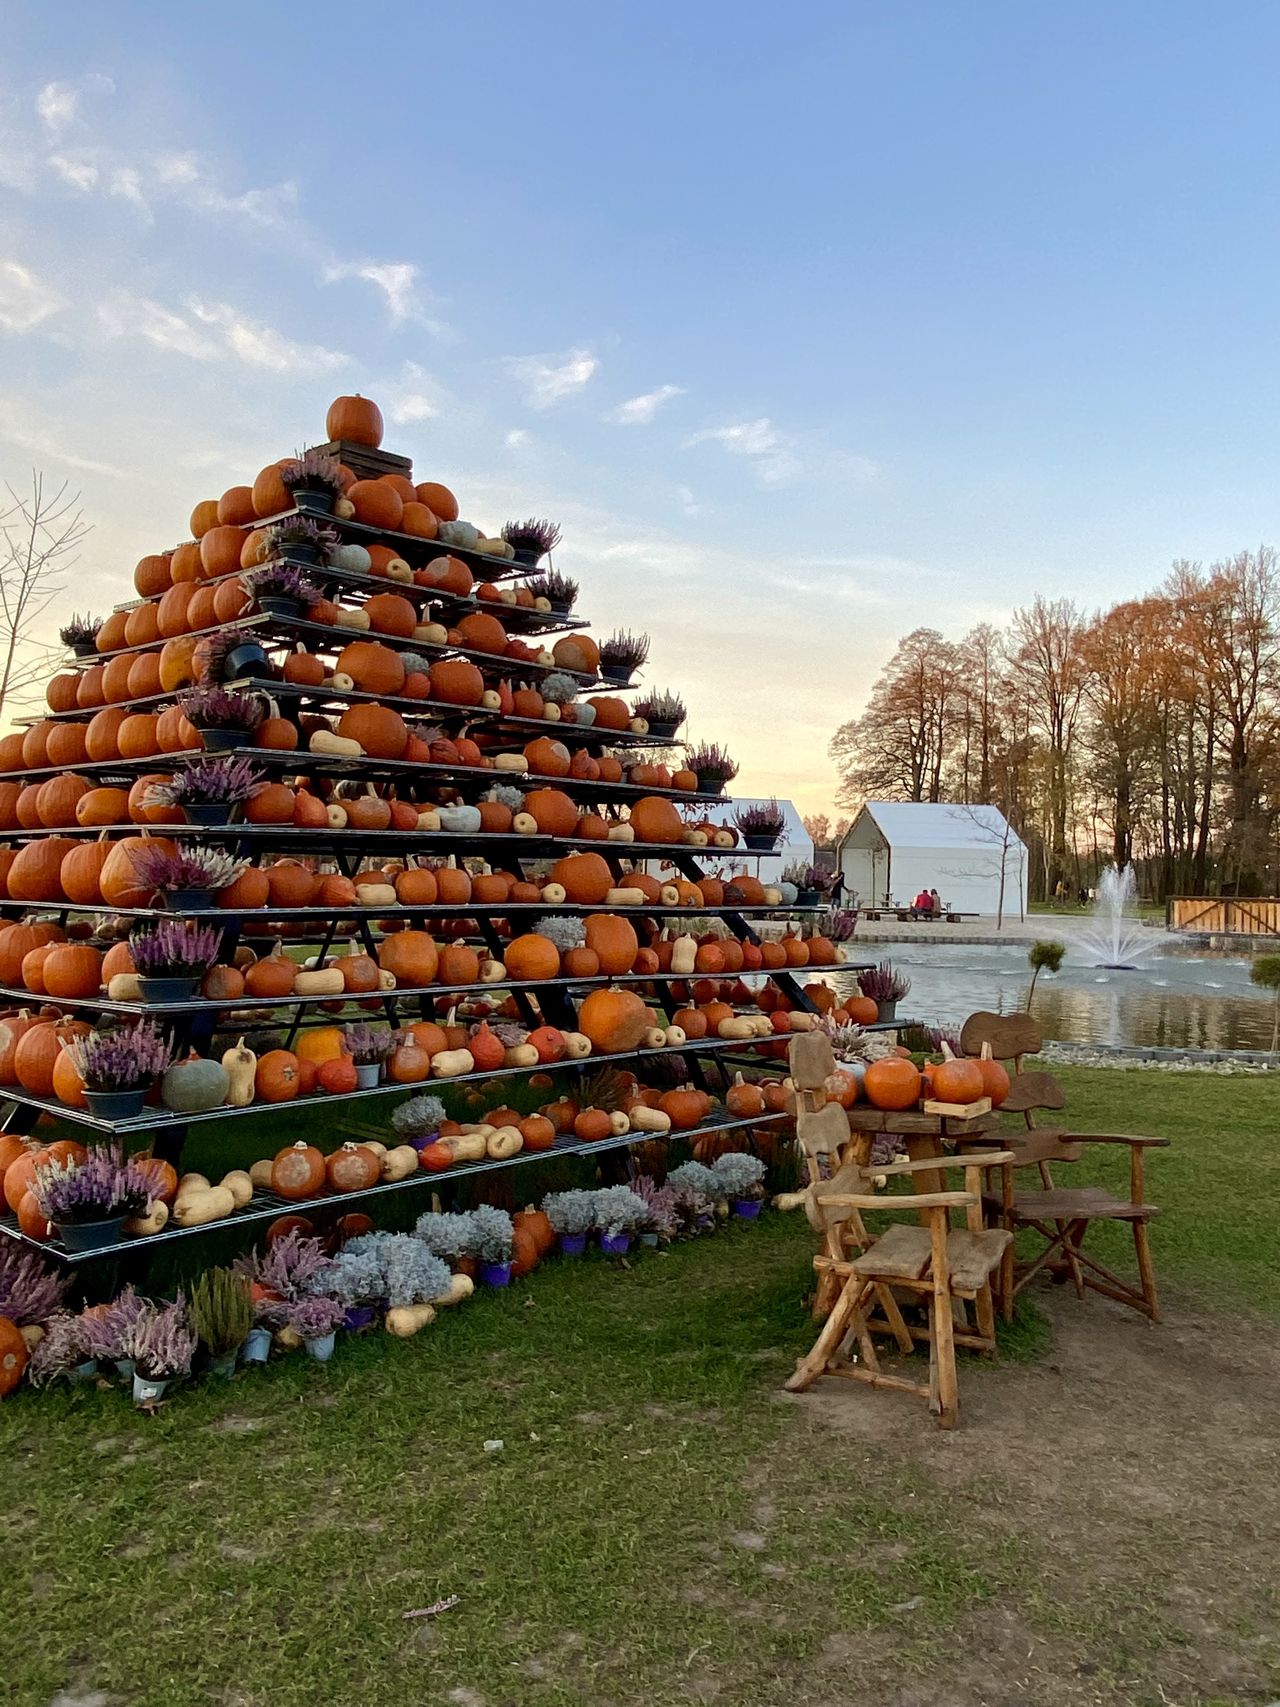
x: 192, y: 1087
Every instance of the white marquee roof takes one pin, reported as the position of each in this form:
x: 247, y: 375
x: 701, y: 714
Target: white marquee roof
x: 930, y: 824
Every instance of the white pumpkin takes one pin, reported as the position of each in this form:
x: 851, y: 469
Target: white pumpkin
x: 353, y: 557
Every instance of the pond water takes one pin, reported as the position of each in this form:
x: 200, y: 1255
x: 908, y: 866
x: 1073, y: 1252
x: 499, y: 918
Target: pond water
x: 1174, y: 998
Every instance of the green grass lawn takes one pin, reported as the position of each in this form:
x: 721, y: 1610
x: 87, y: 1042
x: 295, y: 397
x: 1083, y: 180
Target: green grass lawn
x: 256, y: 1543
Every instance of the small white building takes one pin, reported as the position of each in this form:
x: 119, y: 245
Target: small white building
x: 895, y: 848
x: 796, y: 843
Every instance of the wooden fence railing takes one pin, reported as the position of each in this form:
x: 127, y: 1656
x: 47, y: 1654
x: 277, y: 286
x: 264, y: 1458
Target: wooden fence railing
x: 1225, y: 915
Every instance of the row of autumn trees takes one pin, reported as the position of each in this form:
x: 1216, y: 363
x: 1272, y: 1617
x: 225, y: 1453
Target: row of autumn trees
x: 1147, y: 733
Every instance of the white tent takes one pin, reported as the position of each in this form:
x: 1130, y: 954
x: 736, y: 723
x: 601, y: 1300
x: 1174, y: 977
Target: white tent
x: 894, y: 849
x: 796, y: 843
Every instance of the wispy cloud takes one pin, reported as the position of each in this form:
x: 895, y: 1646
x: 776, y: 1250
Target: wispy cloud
x: 639, y: 411
x: 210, y: 330
x: 771, y: 452
x: 18, y: 428
x: 262, y: 346
x: 516, y: 437
x: 550, y: 379
x: 58, y: 104
x: 25, y: 300
x: 412, y: 399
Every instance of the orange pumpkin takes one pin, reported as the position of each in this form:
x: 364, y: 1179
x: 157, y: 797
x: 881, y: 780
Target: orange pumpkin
x: 412, y: 957
x: 357, y: 420
x: 374, y: 668
x: 13, y: 1356
x: 376, y: 504
x: 220, y: 550
x: 57, y: 800
x: 438, y: 499
x: 273, y: 975
x: 455, y: 681
x: 270, y: 494
x: 119, y: 881
x: 298, y: 1172
x: 532, y: 957
x: 585, y: 878
x: 457, y: 964
x: 391, y: 613
x: 184, y: 565
x: 272, y: 804
x: 614, y: 942
x: 72, y: 969
x: 36, y: 873
x: 957, y: 1081
x: 381, y: 731
x: 995, y: 1080
x: 235, y: 507
x: 276, y: 1077
x: 893, y: 1084
x: 614, y: 1020
x: 656, y: 820
x: 250, y: 889
x: 552, y: 810
x: 545, y: 756
x: 151, y: 576
x: 353, y: 1168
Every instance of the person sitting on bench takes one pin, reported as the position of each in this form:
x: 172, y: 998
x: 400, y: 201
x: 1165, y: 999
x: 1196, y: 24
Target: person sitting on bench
x: 922, y: 906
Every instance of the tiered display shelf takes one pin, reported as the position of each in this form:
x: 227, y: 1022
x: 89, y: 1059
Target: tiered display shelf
x: 499, y: 739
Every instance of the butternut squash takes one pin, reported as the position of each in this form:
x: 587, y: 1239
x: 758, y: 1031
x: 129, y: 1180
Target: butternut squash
x: 400, y: 1163
x: 506, y: 1142
x: 649, y: 1119
x: 336, y: 746
x: 198, y: 1208
x: 577, y: 1045
x: 241, y: 1064
x: 237, y: 1182
x: 624, y: 898
x: 684, y: 956
x: 325, y: 982
x: 409, y: 1319
x: 460, y: 1286
x: 449, y: 1063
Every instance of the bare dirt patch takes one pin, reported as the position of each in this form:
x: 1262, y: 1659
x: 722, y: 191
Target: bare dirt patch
x: 1134, y: 1471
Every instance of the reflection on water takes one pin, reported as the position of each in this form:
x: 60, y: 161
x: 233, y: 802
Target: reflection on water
x: 1174, y: 999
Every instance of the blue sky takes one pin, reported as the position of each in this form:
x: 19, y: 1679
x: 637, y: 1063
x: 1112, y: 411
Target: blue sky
x: 809, y: 323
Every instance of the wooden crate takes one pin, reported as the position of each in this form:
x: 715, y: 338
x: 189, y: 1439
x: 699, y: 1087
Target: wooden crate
x: 958, y: 1110
x: 368, y: 464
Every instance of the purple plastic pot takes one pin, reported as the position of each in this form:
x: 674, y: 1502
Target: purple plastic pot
x: 495, y: 1273
x: 358, y: 1316
x: 572, y: 1244
x: 615, y: 1244
x: 746, y: 1208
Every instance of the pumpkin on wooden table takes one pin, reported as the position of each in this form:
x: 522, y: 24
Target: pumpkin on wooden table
x: 893, y: 1084
x: 956, y: 1080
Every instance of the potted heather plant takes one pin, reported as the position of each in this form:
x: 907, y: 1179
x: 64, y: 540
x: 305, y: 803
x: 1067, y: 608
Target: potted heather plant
x: 210, y: 791
x: 741, y: 1180
x: 314, y: 480
x: 558, y: 590
x: 532, y: 540
x: 188, y: 880
x: 315, y: 1318
x: 280, y: 587
x: 494, y: 1234
x: 81, y: 635
x: 105, y: 1329
x: 162, y: 1343
x: 30, y: 1291
x: 661, y: 1218
x: 622, y: 655
x: 572, y: 1214
x: 713, y: 765
x: 119, y: 1067
x: 760, y: 824
x: 664, y: 713
x: 61, y: 1354
x: 841, y: 924
x: 618, y: 1214
x: 223, y: 716
x: 369, y: 1046
x: 885, y: 987
x: 221, y: 1313
x: 172, y: 956
x: 289, y: 1268
x: 697, y: 1191
x: 90, y: 1201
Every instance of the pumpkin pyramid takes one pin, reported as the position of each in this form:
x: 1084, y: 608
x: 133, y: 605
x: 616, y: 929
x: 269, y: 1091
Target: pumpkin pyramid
x: 348, y: 802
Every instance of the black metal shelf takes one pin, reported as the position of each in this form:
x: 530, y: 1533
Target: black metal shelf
x: 266, y: 1206
x: 159, y: 1120
x: 409, y: 910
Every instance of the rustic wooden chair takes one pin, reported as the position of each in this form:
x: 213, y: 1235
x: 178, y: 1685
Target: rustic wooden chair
x: 928, y: 1260
x: 1060, y: 1215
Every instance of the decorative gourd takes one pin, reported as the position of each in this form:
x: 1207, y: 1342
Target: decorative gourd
x: 240, y: 1064
x: 194, y: 1085
x: 743, y: 1100
x: 460, y: 820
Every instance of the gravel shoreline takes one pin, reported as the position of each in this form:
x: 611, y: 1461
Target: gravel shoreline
x: 1136, y: 1058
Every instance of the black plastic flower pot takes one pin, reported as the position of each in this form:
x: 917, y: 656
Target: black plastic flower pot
x: 187, y: 900
x: 167, y: 989
x: 115, y: 1105
x: 223, y: 740
x: 211, y: 814
x: 619, y: 673
x: 709, y: 784
x: 559, y: 607
x: 91, y: 1235
x: 529, y: 556
x: 279, y: 604
x: 84, y: 648
x: 806, y: 897
x: 759, y: 843
x: 665, y: 732
x: 247, y: 659
x: 314, y: 500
